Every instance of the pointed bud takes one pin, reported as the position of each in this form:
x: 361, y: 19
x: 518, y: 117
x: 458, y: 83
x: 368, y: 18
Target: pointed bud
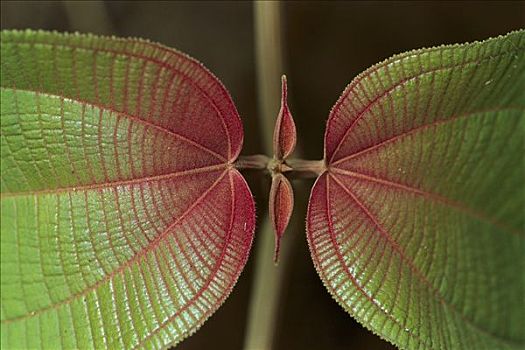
x: 284, y: 134
x: 281, y: 207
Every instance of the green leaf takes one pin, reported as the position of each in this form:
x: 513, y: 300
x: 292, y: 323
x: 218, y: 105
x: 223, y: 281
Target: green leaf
x: 417, y: 228
x: 124, y: 224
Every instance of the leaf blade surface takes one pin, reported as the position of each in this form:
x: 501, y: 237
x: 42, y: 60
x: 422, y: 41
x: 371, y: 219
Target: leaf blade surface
x: 417, y: 226
x: 124, y: 224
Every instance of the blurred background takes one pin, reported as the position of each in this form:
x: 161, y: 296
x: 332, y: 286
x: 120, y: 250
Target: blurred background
x: 325, y: 45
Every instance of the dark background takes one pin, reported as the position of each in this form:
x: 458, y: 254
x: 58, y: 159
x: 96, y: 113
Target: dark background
x: 326, y: 44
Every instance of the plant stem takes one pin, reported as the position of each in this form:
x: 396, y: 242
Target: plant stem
x: 301, y: 168
x: 306, y: 168
x: 266, y: 287
x: 256, y: 161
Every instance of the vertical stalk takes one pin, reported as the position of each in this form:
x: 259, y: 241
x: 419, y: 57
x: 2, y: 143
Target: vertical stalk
x: 266, y: 288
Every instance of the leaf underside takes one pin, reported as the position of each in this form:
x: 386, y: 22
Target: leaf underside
x: 417, y: 226
x: 124, y: 224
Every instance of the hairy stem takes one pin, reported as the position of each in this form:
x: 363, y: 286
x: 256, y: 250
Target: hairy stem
x: 256, y: 161
x: 301, y: 168
x: 306, y: 168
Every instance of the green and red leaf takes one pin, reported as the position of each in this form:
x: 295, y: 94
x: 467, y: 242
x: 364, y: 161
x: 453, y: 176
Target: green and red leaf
x: 124, y: 223
x: 417, y: 226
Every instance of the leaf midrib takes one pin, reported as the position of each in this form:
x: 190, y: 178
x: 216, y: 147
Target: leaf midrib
x: 213, y: 273
x: 131, y: 117
x: 339, y: 255
x: 415, y: 130
x: 333, y: 168
x: 459, y: 206
x: 114, y: 184
x: 414, y: 269
x: 388, y: 91
x: 160, y: 63
x: 136, y: 257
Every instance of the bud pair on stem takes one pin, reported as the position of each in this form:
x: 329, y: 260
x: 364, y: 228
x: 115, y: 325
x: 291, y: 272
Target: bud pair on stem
x: 281, y: 199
